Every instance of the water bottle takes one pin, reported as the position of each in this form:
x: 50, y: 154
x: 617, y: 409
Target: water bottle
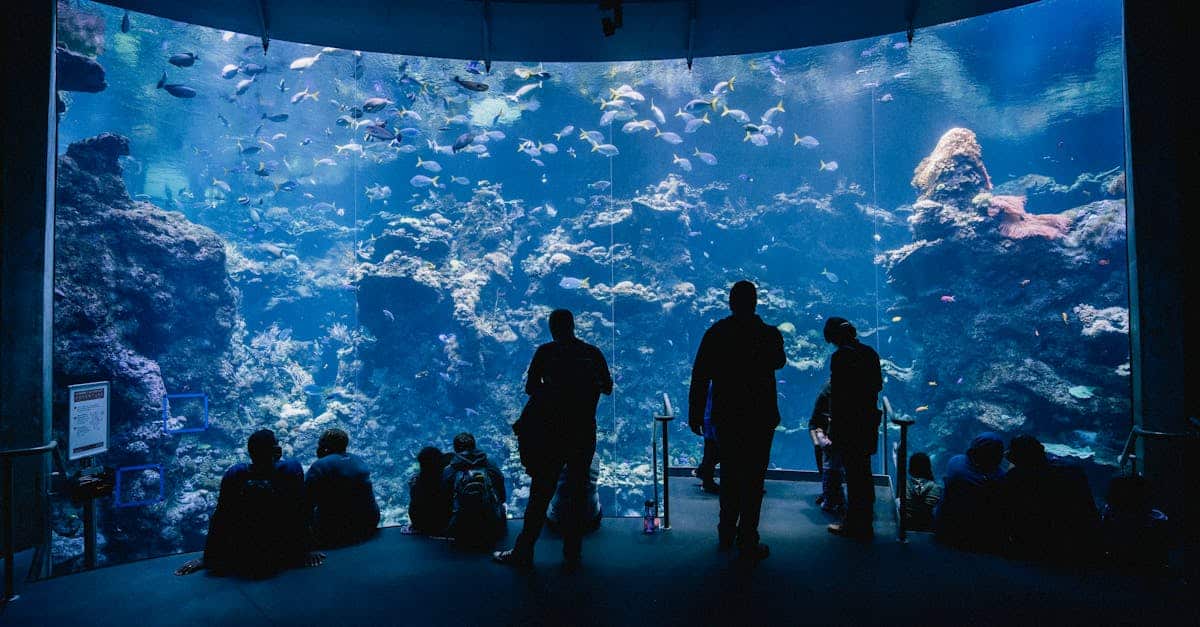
x: 649, y: 524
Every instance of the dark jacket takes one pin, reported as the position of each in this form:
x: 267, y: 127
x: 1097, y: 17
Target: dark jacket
x: 342, y: 499
x: 1049, y: 511
x: 970, y: 514
x: 820, y: 412
x: 564, y: 383
x: 468, y: 460
x: 428, y: 500
x: 738, y: 355
x: 855, y: 379
x: 259, y: 526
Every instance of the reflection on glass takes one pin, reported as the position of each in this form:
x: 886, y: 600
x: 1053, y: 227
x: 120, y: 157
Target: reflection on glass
x: 317, y: 238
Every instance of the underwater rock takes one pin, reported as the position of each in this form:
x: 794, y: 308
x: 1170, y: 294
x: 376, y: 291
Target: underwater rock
x: 953, y: 170
x: 80, y: 30
x: 1049, y: 195
x: 77, y: 72
x: 974, y: 270
x: 142, y: 300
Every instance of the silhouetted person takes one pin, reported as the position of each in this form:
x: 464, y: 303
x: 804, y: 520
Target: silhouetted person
x: 477, y: 495
x: 738, y: 356
x: 339, y: 490
x: 923, y: 494
x: 1134, y: 535
x: 592, y: 510
x: 970, y: 515
x: 1048, y: 508
x: 855, y: 379
x: 428, y: 501
x: 260, y: 525
x: 707, y: 470
x: 557, y: 431
x: 829, y: 463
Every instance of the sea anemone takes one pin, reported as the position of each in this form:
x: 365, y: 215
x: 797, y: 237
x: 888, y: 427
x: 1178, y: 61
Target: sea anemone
x: 1016, y: 223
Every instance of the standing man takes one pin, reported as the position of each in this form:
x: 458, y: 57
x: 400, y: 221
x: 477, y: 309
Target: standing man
x: 855, y: 379
x: 557, y: 430
x: 738, y: 357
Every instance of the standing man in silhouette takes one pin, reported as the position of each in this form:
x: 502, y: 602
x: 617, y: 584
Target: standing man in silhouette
x: 557, y: 430
x: 855, y: 379
x: 738, y: 357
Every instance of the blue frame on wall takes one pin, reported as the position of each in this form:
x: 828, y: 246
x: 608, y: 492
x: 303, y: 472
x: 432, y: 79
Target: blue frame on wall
x: 161, y: 486
x: 166, y: 412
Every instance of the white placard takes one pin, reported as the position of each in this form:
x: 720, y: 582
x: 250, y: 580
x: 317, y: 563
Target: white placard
x: 88, y: 431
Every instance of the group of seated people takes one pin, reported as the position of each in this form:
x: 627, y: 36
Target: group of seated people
x: 442, y: 496
x: 271, y: 515
x: 1035, y: 506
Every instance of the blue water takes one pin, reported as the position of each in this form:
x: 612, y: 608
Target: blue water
x: 337, y: 333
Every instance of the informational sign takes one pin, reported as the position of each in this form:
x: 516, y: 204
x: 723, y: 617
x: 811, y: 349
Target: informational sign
x: 87, y: 433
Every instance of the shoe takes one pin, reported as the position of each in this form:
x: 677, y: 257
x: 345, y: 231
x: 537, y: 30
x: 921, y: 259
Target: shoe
x: 512, y: 558
x: 710, y: 486
x: 840, y: 529
x: 756, y: 553
x: 837, y: 510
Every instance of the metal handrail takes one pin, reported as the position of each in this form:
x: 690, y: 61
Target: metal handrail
x: 901, y: 483
x: 6, y: 504
x: 667, y: 416
x: 1130, y: 450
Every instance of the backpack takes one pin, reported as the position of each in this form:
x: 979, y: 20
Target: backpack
x: 261, y: 549
x: 476, y: 514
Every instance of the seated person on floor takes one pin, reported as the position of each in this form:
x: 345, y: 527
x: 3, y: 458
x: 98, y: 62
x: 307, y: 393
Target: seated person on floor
x: 1048, y: 508
x: 478, y: 517
x: 562, y: 500
x: 1133, y: 534
x: 339, y: 490
x: 260, y: 526
x: 832, y: 498
x: 428, y: 501
x: 969, y: 515
x: 923, y: 494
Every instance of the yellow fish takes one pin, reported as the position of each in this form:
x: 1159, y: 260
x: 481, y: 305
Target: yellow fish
x: 923, y: 408
x: 896, y: 318
x: 1064, y: 316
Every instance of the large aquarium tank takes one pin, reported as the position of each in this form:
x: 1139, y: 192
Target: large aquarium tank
x: 310, y: 238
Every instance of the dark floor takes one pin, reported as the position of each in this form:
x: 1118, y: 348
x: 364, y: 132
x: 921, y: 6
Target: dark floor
x: 674, y: 578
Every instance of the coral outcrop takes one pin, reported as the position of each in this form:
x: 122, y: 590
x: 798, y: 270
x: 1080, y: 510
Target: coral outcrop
x: 142, y: 300
x: 1011, y: 309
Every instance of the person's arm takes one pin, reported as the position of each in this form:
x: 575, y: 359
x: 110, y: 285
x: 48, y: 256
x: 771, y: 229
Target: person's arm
x: 777, y: 357
x: 537, y: 368
x: 701, y: 376
x: 604, y: 376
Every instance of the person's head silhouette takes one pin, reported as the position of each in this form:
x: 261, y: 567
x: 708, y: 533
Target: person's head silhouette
x: 562, y: 325
x: 743, y: 298
x: 920, y: 467
x: 263, y: 448
x: 332, y: 441
x: 430, y: 459
x: 464, y: 442
x: 839, y: 331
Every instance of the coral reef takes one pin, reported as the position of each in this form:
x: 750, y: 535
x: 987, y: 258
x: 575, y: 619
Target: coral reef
x: 1012, y: 282
x: 142, y: 300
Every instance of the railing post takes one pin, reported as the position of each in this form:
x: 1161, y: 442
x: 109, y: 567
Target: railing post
x: 7, y: 478
x: 665, y: 419
x: 901, y: 483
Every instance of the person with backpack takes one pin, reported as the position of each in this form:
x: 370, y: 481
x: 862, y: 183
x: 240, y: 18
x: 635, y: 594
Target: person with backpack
x: 557, y: 431
x: 259, y: 526
x: 478, y: 516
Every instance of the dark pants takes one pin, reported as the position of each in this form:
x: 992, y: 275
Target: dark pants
x: 545, y: 474
x: 712, y: 457
x: 860, y: 490
x: 744, y: 458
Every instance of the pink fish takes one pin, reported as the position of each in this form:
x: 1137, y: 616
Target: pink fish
x: 947, y: 299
